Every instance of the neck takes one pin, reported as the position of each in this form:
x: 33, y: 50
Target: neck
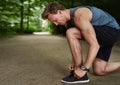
x: 67, y: 14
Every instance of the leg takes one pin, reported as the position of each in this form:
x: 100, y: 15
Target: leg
x: 106, y: 36
x: 101, y: 67
x: 73, y: 36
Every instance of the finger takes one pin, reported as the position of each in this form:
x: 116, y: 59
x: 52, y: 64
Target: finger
x: 76, y: 76
x: 70, y: 68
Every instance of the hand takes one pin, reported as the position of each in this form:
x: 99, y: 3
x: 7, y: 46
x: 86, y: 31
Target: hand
x: 71, y: 67
x: 78, y: 73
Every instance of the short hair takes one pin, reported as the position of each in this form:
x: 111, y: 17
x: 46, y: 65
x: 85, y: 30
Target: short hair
x: 52, y: 8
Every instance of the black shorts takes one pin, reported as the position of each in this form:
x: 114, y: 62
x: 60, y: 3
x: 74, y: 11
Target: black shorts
x: 106, y: 37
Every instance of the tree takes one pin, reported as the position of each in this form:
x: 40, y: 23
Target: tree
x: 22, y: 16
x: 28, y: 14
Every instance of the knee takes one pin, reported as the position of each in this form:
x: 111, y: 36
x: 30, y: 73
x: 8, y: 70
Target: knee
x: 99, y: 72
x: 73, y: 33
x: 99, y: 67
x: 70, y: 33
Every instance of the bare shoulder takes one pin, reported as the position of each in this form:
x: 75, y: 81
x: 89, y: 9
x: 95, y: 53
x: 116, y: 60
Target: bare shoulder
x: 83, y: 12
x: 82, y: 18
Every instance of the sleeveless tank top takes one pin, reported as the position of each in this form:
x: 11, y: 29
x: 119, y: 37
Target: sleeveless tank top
x: 99, y: 17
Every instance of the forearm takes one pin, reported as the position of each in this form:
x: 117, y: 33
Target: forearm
x: 92, y: 52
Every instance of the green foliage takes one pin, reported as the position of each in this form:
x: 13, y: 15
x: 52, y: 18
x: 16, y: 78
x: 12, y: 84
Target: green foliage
x: 31, y: 29
x: 10, y: 14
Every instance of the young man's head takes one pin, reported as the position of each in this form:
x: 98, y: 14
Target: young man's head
x: 54, y: 12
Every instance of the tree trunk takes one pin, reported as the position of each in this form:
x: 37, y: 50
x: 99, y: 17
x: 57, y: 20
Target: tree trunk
x: 72, y: 3
x: 28, y: 15
x: 22, y: 17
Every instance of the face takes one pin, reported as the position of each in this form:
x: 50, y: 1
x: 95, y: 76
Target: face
x: 57, y: 19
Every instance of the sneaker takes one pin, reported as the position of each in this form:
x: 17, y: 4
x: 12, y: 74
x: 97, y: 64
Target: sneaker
x: 73, y: 80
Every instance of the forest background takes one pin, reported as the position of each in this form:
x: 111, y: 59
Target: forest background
x: 24, y: 16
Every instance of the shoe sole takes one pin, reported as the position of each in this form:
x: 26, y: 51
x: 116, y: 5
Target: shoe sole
x: 76, y: 82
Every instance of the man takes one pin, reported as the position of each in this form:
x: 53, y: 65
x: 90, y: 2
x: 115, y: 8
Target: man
x: 98, y: 28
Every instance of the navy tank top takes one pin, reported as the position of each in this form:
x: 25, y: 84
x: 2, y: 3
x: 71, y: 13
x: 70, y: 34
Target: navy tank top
x: 99, y: 18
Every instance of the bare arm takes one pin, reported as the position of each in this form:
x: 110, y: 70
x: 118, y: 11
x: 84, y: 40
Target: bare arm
x: 82, y: 21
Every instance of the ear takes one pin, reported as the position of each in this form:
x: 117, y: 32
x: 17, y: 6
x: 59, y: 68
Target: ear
x: 59, y: 11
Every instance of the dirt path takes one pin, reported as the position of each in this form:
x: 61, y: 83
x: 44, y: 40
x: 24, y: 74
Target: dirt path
x: 42, y: 60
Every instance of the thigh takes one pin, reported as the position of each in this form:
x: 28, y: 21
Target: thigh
x: 104, y: 52
x: 106, y: 35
